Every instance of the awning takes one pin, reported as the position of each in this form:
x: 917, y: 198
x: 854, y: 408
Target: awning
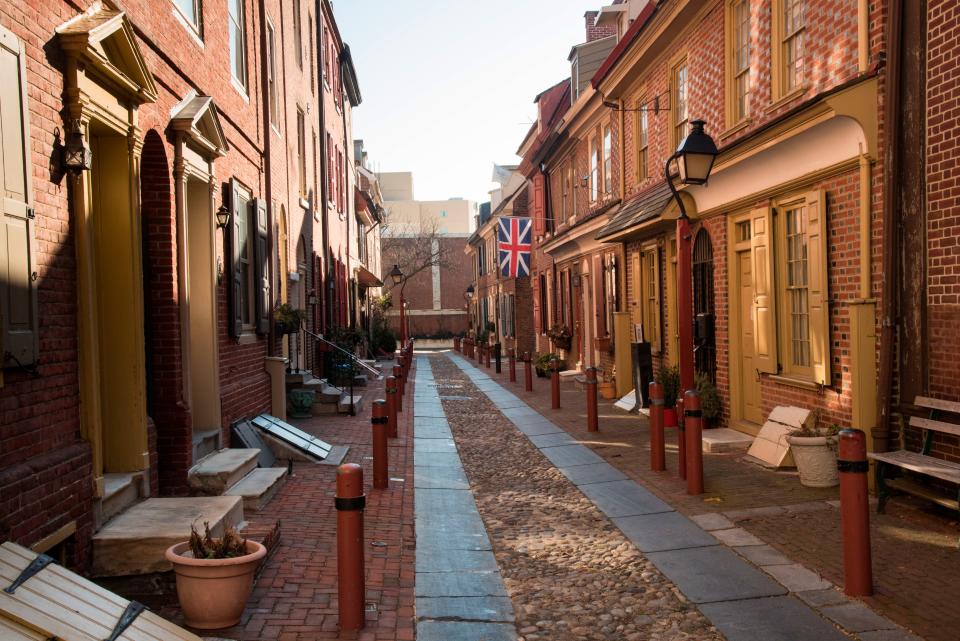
x: 644, y: 207
x: 366, y: 278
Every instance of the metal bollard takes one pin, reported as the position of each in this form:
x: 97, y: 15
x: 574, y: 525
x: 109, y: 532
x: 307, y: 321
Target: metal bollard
x: 554, y: 383
x: 592, y: 425
x: 681, y: 440
x: 497, y: 357
x: 693, y: 432
x: 855, y: 513
x: 391, y: 390
x: 380, y: 424
x: 351, y: 589
x: 398, y: 375
x: 658, y: 458
x: 528, y: 372
x: 512, y: 364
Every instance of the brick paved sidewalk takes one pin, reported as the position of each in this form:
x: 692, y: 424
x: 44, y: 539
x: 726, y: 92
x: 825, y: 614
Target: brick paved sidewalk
x: 916, y: 556
x: 295, y: 597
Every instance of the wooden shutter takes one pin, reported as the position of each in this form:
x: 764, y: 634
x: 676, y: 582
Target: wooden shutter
x: 262, y: 265
x: 651, y: 263
x: 539, y: 205
x: 18, y: 293
x: 598, y: 297
x: 818, y: 286
x: 636, y: 291
x: 236, y: 280
x: 764, y: 298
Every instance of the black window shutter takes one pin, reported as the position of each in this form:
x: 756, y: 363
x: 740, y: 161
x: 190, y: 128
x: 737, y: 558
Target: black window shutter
x: 236, y: 282
x: 262, y: 266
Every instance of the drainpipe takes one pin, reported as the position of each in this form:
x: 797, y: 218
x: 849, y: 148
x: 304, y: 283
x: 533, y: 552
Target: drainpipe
x: 891, y: 228
x: 351, y: 309
x: 327, y: 294
x: 268, y: 166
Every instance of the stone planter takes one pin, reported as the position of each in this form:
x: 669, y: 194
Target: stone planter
x: 816, y: 458
x: 213, y: 592
x: 300, y: 403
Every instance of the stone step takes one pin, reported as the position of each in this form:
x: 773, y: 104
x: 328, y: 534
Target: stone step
x: 298, y: 377
x: 360, y: 380
x: 120, y: 491
x: 344, y: 405
x: 258, y: 487
x: 135, y: 540
x: 325, y: 408
x: 217, y: 472
x: 205, y: 443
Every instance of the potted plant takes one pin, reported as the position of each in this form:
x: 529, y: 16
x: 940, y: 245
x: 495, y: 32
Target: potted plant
x: 608, y: 387
x: 214, y: 576
x: 560, y: 336
x: 669, y: 378
x: 300, y: 402
x: 602, y: 344
x: 815, y: 452
x: 710, y: 403
x: 543, y: 365
x: 287, y: 319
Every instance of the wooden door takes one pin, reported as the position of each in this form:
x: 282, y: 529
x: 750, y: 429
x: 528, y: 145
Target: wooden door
x: 750, y: 405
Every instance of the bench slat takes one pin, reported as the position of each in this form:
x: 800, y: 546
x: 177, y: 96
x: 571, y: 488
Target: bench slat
x: 921, y: 464
x: 936, y: 426
x: 937, y: 404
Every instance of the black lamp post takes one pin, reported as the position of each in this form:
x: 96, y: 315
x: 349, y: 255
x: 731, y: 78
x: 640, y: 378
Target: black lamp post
x: 469, y: 296
x: 397, y: 277
x: 694, y: 159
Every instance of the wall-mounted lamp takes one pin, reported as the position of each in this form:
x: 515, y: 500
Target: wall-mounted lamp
x: 223, y: 217
x: 470, y: 292
x: 76, y: 154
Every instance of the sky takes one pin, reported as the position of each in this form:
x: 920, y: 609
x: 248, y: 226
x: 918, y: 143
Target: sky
x: 448, y: 86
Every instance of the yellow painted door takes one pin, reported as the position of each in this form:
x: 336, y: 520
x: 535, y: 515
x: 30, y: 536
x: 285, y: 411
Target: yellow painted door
x: 750, y: 409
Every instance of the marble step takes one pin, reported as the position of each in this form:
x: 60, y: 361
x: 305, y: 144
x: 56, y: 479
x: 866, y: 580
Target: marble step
x: 217, y: 472
x: 258, y: 487
x: 344, y: 405
x: 120, y: 491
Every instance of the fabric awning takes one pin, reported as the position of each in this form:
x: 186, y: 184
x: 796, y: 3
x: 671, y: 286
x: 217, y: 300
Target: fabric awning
x: 366, y: 278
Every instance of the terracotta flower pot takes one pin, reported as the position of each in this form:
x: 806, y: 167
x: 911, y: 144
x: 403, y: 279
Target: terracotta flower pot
x: 601, y: 344
x: 669, y: 417
x: 816, y: 460
x: 608, y: 391
x: 213, y: 592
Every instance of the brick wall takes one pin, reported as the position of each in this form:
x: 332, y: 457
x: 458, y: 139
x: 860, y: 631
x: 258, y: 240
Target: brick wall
x: 595, y: 32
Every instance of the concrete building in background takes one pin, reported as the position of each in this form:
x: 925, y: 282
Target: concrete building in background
x: 426, y: 238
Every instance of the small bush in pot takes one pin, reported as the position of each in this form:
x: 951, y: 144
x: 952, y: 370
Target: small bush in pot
x: 815, y: 452
x: 214, y: 576
x: 709, y: 400
x: 543, y: 365
x: 669, y: 378
x: 288, y: 319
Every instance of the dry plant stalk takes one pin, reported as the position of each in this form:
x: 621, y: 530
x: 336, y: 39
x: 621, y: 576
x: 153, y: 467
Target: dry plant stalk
x: 229, y: 546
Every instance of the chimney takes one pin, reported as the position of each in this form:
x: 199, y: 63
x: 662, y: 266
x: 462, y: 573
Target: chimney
x: 593, y: 31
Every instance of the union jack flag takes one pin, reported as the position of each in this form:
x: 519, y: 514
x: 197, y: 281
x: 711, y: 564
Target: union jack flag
x: 513, y: 241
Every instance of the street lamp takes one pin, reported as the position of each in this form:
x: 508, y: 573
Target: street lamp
x: 694, y: 158
x: 397, y: 277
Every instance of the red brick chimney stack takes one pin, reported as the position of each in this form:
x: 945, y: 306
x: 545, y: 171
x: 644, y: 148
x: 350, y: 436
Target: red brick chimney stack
x: 593, y: 31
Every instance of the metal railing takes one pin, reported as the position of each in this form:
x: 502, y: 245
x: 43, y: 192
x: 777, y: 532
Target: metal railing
x: 336, y: 365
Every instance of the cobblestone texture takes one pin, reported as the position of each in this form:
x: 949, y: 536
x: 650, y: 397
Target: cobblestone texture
x: 570, y: 572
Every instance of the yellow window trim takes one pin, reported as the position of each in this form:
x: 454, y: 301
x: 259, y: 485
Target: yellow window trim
x: 733, y: 123
x: 675, y: 63
x: 778, y: 94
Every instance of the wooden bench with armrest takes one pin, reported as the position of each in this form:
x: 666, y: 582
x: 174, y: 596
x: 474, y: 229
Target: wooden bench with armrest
x: 921, y: 463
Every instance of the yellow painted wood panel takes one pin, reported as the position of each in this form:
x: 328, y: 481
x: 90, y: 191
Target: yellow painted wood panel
x: 764, y: 300
x: 818, y: 286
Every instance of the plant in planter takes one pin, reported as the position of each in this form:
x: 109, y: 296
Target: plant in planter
x: 561, y: 336
x: 709, y: 400
x: 287, y: 319
x: 608, y: 386
x: 214, y: 576
x: 543, y: 365
x: 815, y: 452
x: 300, y: 402
x: 669, y: 378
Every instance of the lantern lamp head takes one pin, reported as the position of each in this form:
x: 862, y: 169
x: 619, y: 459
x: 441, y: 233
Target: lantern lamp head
x: 223, y: 216
x: 77, y: 155
x: 396, y: 275
x: 470, y: 292
x: 695, y: 155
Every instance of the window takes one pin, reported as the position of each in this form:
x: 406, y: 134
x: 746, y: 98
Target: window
x: 341, y: 190
x: 325, y: 35
x: 297, y: 34
x: 738, y: 21
x: 649, y: 278
x: 790, y: 289
x: 563, y: 309
x: 238, y: 43
x: 18, y: 289
x: 481, y: 259
x: 544, y: 309
x: 249, y: 263
x: 331, y: 179
x: 611, y: 302
x: 301, y: 152
x: 569, y: 197
x: 594, y: 170
x: 787, y: 39
x: 310, y: 61
x: 607, y: 162
x: 511, y: 314
x: 272, y: 76
x: 643, y: 141
x: 191, y: 11
x: 679, y: 99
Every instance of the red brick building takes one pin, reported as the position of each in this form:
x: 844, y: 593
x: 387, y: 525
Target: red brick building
x: 136, y: 328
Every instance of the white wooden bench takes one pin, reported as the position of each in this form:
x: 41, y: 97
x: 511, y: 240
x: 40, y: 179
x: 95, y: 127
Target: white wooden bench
x: 921, y: 463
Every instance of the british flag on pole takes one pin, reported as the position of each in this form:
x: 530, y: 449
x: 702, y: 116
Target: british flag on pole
x: 513, y: 241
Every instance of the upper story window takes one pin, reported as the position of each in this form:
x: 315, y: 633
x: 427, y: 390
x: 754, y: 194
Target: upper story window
x: 326, y: 54
x: 302, y: 152
x: 678, y: 112
x: 738, y: 12
x: 569, y: 196
x: 787, y: 42
x: 238, y: 42
x: 313, y: 75
x: 297, y: 34
x: 192, y: 11
x: 272, y: 89
x: 594, y: 170
x: 607, y: 161
x: 643, y: 138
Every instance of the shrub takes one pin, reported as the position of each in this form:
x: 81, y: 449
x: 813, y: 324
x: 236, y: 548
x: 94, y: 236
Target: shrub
x: 669, y: 378
x: 709, y: 398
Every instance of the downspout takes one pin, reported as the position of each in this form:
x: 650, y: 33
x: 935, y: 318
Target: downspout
x: 351, y: 308
x: 891, y: 227
x: 327, y: 294
x: 268, y: 165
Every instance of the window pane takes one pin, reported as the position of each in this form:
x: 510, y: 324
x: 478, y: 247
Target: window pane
x: 189, y: 9
x: 237, y: 42
x: 797, y: 285
x: 680, y: 102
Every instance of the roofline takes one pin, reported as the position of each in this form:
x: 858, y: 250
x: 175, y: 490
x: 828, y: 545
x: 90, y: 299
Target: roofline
x: 628, y: 39
x: 351, y: 83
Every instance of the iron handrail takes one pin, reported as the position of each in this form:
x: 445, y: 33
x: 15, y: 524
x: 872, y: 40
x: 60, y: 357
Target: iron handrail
x: 352, y: 357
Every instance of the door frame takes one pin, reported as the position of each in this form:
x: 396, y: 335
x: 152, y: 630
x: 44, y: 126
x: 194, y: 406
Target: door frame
x: 737, y: 420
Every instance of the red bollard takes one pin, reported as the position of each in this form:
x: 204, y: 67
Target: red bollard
x: 512, y: 360
x: 528, y: 372
x: 391, y: 390
x: 681, y: 440
x: 350, y: 502
x: 693, y: 431
x: 592, y: 425
x: 398, y: 375
x: 380, y: 425
x: 855, y: 513
x: 555, y: 383
x: 658, y: 458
